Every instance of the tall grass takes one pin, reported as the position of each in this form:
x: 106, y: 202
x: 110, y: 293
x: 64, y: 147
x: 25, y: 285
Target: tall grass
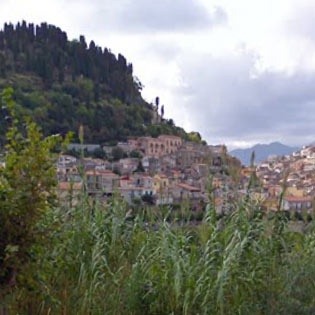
x: 101, y: 259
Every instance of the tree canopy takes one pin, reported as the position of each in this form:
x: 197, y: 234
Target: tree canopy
x: 64, y: 83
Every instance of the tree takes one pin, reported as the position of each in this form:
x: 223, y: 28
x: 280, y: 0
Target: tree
x: 27, y: 183
x: 117, y: 153
x: 135, y: 154
x: 149, y: 199
x: 99, y: 153
x: 140, y: 168
x: 194, y: 136
x: 157, y: 102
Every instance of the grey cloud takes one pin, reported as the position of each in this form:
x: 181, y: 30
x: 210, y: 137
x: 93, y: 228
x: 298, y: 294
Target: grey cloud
x: 234, y: 105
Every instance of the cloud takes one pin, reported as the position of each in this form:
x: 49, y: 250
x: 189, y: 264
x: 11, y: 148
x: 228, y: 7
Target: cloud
x: 300, y: 23
x: 227, y: 100
x: 221, y: 94
x: 143, y: 16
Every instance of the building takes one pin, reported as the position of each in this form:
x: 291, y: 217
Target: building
x: 164, y: 144
x: 126, y: 166
x: 65, y: 188
x: 66, y: 159
x: 101, y: 181
x: 186, y: 192
x: 297, y: 203
x: 83, y: 147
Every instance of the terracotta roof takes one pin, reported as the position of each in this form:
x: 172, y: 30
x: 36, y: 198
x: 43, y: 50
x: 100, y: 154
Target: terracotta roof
x: 124, y: 178
x: 100, y: 172
x: 298, y: 199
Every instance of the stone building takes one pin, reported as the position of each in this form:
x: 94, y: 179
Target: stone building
x: 164, y: 144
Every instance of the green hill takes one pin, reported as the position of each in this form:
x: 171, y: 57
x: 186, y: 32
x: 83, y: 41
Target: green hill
x: 63, y: 84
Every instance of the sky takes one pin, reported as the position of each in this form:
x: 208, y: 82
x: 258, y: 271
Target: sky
x: 239, y: 72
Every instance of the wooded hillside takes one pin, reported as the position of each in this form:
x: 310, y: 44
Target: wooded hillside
x: 63, y: 84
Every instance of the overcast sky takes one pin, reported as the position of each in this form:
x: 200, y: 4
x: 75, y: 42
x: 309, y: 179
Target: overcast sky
x: 239, y: 72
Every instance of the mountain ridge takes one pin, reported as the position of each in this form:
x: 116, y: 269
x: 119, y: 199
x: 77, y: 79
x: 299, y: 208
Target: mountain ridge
x: 262, y: 151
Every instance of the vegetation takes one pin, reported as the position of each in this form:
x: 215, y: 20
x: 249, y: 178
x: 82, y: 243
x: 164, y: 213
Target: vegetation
x: 27, y: 185
x: 63, y: 84
x: 103, y: 258
x: 101, y: 261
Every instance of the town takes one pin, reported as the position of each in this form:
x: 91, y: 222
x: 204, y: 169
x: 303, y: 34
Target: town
x: 295, y: 173
x: 167, y: 170
x: 161, y: 170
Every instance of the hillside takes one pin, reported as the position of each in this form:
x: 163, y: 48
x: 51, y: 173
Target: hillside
x: 262, y: 151
x: 63, y: 84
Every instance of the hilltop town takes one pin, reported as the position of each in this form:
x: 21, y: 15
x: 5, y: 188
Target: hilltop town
x: 162, y: 170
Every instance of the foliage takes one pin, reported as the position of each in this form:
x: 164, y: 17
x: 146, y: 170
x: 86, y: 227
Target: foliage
x: 63, y: 84
x: 149, y: 199
x: 135, y: 154
x: 194, y: 136
x: 140, y: 168
x: 117, y: 153
x: 106, y: 258
x: 101, y: 261
x: 27, y: 183
x: 99, y: 153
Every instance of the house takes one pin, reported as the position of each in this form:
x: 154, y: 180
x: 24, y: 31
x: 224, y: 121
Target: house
x: 294, y: 191
x: 125, y: 181
x: 160, y: 183
x: 132, y: 193
x: 183, y: 192
x: 188, y: 155
x: 168, y: 162
x: 101, y: 181
x: 174, y: 177
x: 152, y: 165
x: 126, y: 166
x: 271, y: 204
x: 64, y: 188
x: 141, y: 181
x: 91, y: 163
x: 297, y: 203
x: 67, y: 172
x: 66, y: 159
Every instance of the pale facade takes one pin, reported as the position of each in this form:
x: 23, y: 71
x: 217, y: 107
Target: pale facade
x: 162, y: 145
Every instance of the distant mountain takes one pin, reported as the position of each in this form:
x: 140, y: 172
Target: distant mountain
x: 262, y: 151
